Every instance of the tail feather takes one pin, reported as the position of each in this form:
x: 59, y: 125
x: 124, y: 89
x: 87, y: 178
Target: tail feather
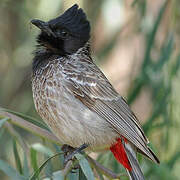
x: 155, y: 157
x: 126, y: 155
x: 135, y: 173
x: 152, y: 157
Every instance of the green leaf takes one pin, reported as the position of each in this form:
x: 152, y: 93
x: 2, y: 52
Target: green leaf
x: 173, y: 160
x: 86, y: 168
x: 61, y: 158
x: 17, y: 158
x: 2, y: 132
x: 48, y: 171
x: 151, y: 37
x: 37, y: 172
x: 175, y: 67
x: 10, y: 171
x: 82, y: 175
x: 165, y: 53
x: 158, y: 109
x: 141, y: 6
x: 134, y: 3
x: 2, y: 121
x: 58, y: 175
x: 42, y: 149
x: 28, y: 118
x: 18, y: 121
x: 25, y: 166
x: 34, y: 163
x: 73, y: 175
x: 142, y: 78
x: 138, y: 84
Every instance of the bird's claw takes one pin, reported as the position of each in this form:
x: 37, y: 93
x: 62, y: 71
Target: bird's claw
x: 69, y: 152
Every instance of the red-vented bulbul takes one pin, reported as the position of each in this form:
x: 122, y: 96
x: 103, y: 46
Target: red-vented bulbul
x: 76, y: 100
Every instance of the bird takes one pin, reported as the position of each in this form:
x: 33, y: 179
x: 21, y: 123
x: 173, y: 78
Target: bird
x: 76, y: 100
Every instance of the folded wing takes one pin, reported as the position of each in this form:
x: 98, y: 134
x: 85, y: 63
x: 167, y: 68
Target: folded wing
x: 94, y: 90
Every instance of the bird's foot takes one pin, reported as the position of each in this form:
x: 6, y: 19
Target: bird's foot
x: 69, y: 152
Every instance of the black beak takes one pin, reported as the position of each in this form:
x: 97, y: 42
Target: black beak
x: 44, y: 26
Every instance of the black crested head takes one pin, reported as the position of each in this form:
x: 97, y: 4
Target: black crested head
x: 73, y: 19
x: 66, y: 33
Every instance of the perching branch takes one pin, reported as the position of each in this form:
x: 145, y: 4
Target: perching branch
x: 104, y: 170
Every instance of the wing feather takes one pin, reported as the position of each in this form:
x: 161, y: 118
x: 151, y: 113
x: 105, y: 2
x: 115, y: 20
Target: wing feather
x: 93, y: 89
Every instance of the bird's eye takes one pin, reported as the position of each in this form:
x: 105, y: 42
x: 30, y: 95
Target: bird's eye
x: 63, y: 33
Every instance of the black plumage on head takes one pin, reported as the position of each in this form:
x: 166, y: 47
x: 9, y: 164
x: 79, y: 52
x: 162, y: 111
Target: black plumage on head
x: 75, y: 20
x: 62, y: 36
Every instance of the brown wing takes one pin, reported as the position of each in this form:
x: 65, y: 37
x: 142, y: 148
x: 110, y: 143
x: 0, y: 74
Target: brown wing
x: 93, y: 89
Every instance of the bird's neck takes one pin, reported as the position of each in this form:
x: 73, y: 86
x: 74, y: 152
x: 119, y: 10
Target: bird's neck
x: 85, y: 49
x: 41, y: 58
x: 43, y: 55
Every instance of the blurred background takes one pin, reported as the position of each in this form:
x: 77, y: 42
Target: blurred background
x: 135, y: 42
